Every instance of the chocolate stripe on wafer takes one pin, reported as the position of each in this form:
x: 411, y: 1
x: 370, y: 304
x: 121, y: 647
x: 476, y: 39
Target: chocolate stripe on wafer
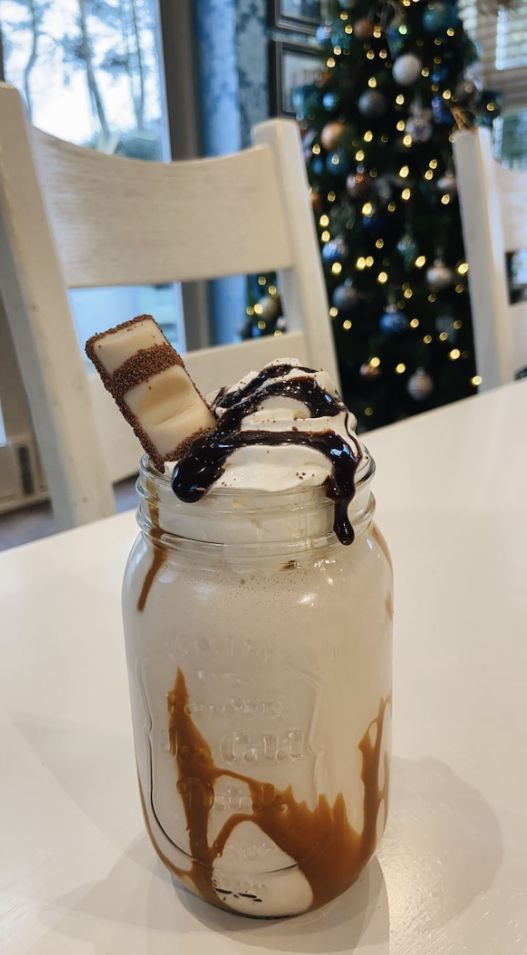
x: 152, y: 388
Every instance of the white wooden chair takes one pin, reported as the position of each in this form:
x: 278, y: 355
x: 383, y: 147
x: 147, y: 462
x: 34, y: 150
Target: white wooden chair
x: 72, y: 217
x: 494, y: 214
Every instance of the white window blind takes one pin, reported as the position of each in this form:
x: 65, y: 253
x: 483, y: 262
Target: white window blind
x: 503, y: 40
x: 511, y: 44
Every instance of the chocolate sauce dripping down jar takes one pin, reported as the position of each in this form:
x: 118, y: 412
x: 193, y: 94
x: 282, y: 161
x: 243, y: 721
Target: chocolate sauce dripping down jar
x: 259, y: 658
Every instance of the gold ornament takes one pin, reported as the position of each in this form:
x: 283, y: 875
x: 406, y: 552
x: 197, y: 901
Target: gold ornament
x: 331, y: 135
x: 317, y: 201
x: 363, y: 29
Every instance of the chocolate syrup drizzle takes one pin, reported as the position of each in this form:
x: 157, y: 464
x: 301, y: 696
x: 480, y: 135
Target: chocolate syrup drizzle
x: 204, y: 462
x: 224, y: 400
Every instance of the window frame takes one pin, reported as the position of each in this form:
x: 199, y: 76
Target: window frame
x: 482, y: 27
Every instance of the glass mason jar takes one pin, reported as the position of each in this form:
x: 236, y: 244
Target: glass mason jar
x: 259, y: 656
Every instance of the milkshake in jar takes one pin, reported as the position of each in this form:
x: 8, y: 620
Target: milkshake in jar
x: 257, y: 606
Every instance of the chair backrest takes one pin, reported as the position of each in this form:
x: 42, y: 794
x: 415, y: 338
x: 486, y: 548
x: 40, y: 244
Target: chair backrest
x: 494, y: 214
x: 72, y: 217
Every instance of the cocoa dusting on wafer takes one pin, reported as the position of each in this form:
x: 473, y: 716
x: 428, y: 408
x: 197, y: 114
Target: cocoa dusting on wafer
x: 140, y: 367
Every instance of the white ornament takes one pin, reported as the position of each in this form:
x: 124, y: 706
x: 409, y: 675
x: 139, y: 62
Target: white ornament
x: 420, y: 125
x: 420, y: 386
x: 439, y: 276
x: 269, y: 307
x: 447, y: 184
x: 406, y: 69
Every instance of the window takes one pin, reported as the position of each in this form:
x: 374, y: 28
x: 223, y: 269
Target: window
x: 89, y: 73
x: 511, y: 40
x: 88, y: 70
x: 503, y: 41
x: 502, y: 37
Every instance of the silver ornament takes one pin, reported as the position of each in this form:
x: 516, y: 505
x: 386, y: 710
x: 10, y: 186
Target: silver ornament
x: 384, y: 188
x: 474, y: 74
x: 270, y: 308
x: 448, y: 184
x: 369, y: 371
x: 407, y: 69
x: 372, y: 103
x: 419, y: 126
x: 420, y: 386
x: 439, y: 276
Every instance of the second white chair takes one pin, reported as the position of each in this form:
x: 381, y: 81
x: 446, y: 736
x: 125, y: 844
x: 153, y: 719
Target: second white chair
x: 494, y: 214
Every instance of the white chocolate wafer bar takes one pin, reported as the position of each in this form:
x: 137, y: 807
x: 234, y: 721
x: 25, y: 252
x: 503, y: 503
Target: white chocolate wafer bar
x: 151, y: 385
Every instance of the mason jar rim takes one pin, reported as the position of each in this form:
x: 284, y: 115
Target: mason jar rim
x: 365, y: 472
x: 248, y: 520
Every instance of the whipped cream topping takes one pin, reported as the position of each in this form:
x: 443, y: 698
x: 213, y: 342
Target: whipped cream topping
x: 277, y: 429
x: 282, y: 467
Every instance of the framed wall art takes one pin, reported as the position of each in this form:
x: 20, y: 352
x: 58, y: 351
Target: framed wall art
x: 291, y: 65
x: 302, y: 16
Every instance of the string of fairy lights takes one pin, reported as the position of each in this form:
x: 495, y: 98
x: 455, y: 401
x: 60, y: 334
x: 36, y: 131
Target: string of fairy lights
x: 377, y: 134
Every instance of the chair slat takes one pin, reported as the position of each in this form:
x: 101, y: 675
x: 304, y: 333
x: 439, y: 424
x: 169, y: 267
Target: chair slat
x: 120, y: 221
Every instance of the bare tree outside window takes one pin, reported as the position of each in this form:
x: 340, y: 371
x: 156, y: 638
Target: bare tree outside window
x: 100, y: 54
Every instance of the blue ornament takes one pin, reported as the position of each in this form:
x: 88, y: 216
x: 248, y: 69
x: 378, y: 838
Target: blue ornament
x: 335, y: 250
x: 345, y: 297
x: 395, y: 40
x: 441, y: 112
x: 373, y: 225
x: 340, y: 38
x: 439, y: 17
x: 331, y: 101
x: 306, y: 100
x: 439, y: 74
x: 337, y: 162
x: 323, y: 36
x: 393, y: 321
x: 347, y: 4
x: 317, y: 166
x: 408, y: 249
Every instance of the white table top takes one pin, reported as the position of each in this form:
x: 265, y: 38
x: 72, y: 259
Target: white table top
x: 77, y: 873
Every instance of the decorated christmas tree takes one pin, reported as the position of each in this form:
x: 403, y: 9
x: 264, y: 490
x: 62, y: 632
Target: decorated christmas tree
x: 399, y: 76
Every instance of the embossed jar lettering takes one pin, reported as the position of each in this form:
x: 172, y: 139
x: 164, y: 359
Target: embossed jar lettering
x: 253, y: 747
